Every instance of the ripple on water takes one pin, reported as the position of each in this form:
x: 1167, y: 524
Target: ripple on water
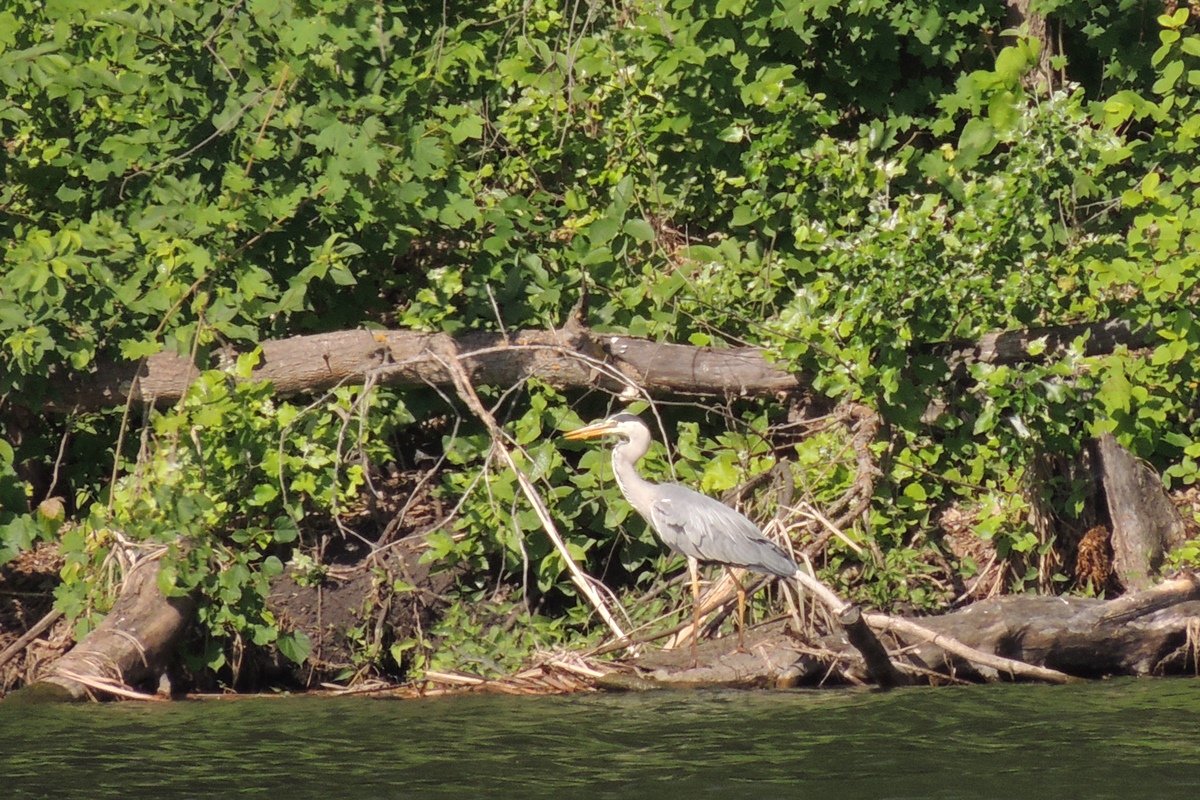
x: 1117, y: 739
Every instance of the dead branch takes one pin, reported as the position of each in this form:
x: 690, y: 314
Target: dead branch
x: 863, y: 423
x: 582, y: 581
x: 1177, y: 590
x: 567, y: 358
x: 35, y: 631
x: 922, y: 635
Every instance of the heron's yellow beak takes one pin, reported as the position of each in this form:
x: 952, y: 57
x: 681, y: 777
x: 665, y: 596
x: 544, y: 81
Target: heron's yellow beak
x: 593, y: 431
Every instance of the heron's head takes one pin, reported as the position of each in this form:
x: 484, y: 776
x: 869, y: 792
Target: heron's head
x: 624, y: 426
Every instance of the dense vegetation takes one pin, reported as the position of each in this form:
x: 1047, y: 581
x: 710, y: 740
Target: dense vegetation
x: 842, y: 184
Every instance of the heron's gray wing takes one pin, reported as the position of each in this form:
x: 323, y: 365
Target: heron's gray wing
x: 699, y: 526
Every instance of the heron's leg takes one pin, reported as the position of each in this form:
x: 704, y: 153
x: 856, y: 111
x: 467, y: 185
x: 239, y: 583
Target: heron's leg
x: 694, y: 572
x: 741, y: 616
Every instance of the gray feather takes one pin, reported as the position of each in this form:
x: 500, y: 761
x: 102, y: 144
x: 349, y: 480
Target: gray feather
x: 696, y: 525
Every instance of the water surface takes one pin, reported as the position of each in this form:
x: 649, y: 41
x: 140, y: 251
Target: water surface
x: 1120, y: 739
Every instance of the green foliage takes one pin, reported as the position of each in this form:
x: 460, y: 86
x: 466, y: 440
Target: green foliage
x: 225, y: 482
x: 492, y: 640
x: 850, y: 186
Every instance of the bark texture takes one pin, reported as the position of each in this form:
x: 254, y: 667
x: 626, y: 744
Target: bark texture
x: 573, y: 357
x: 1145, y: 523
x: 1151, y: 632
x: 130, y: 648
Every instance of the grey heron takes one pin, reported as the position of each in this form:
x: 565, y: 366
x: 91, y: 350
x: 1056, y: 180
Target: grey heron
x: 688, y: 522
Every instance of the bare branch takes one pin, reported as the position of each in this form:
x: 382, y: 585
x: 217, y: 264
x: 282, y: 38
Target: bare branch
x: 581, y: 580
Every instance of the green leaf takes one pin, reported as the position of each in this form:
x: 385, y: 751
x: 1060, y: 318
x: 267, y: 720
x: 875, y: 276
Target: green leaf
x: 137, y: 349
x: 295, y: 646
x: 732, y: 134
x: 978, y: 138
x: 1170, y: 75
x: 286, y: 531
x: 1011, y: 64
x: 167, y: 580
x: 469, y: 127
x: 640, y: 230
x: 603, y: 230
x: 742, y: 216
x: 272, y: 566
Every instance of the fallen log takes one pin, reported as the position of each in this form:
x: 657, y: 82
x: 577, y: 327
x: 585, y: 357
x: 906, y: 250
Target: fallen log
x: 567, y: 358
x: 129, y: 648
x: 573, y: 357
x: 1152, y: 632
x: 1012, y: 347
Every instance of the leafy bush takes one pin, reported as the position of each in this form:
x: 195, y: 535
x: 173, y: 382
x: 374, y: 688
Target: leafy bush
x: 849, y: 187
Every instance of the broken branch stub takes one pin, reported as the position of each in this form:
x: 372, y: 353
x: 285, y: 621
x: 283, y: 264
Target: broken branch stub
x: 1145, y: 524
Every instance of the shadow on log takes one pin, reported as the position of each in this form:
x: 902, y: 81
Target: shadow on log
x: 1152, y: 632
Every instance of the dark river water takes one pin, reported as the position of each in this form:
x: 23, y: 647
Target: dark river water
x: 1121, y: 739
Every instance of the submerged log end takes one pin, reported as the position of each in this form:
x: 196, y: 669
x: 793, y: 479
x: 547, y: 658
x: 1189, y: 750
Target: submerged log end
x: 874, y: 654
x: 41, y: 692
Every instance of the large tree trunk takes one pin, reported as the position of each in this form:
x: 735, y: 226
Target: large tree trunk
x: 1021, y: 16
x: 569, y: 358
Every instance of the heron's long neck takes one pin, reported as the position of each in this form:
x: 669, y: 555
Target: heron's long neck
x: 637, y: 490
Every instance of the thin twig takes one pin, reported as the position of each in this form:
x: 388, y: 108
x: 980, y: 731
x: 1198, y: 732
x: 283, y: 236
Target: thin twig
x: 37, y: 630
x: 578, y: 577
x: 809, y: 510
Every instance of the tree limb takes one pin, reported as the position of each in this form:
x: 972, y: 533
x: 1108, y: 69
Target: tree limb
x: 570, y: 358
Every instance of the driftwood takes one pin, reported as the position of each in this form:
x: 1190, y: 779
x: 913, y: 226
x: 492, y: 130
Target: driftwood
x: 1152, y: 632
x: 130, y: 648
x: 875, y: 657
x: 1145, y: 524
x: 574, y: 357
